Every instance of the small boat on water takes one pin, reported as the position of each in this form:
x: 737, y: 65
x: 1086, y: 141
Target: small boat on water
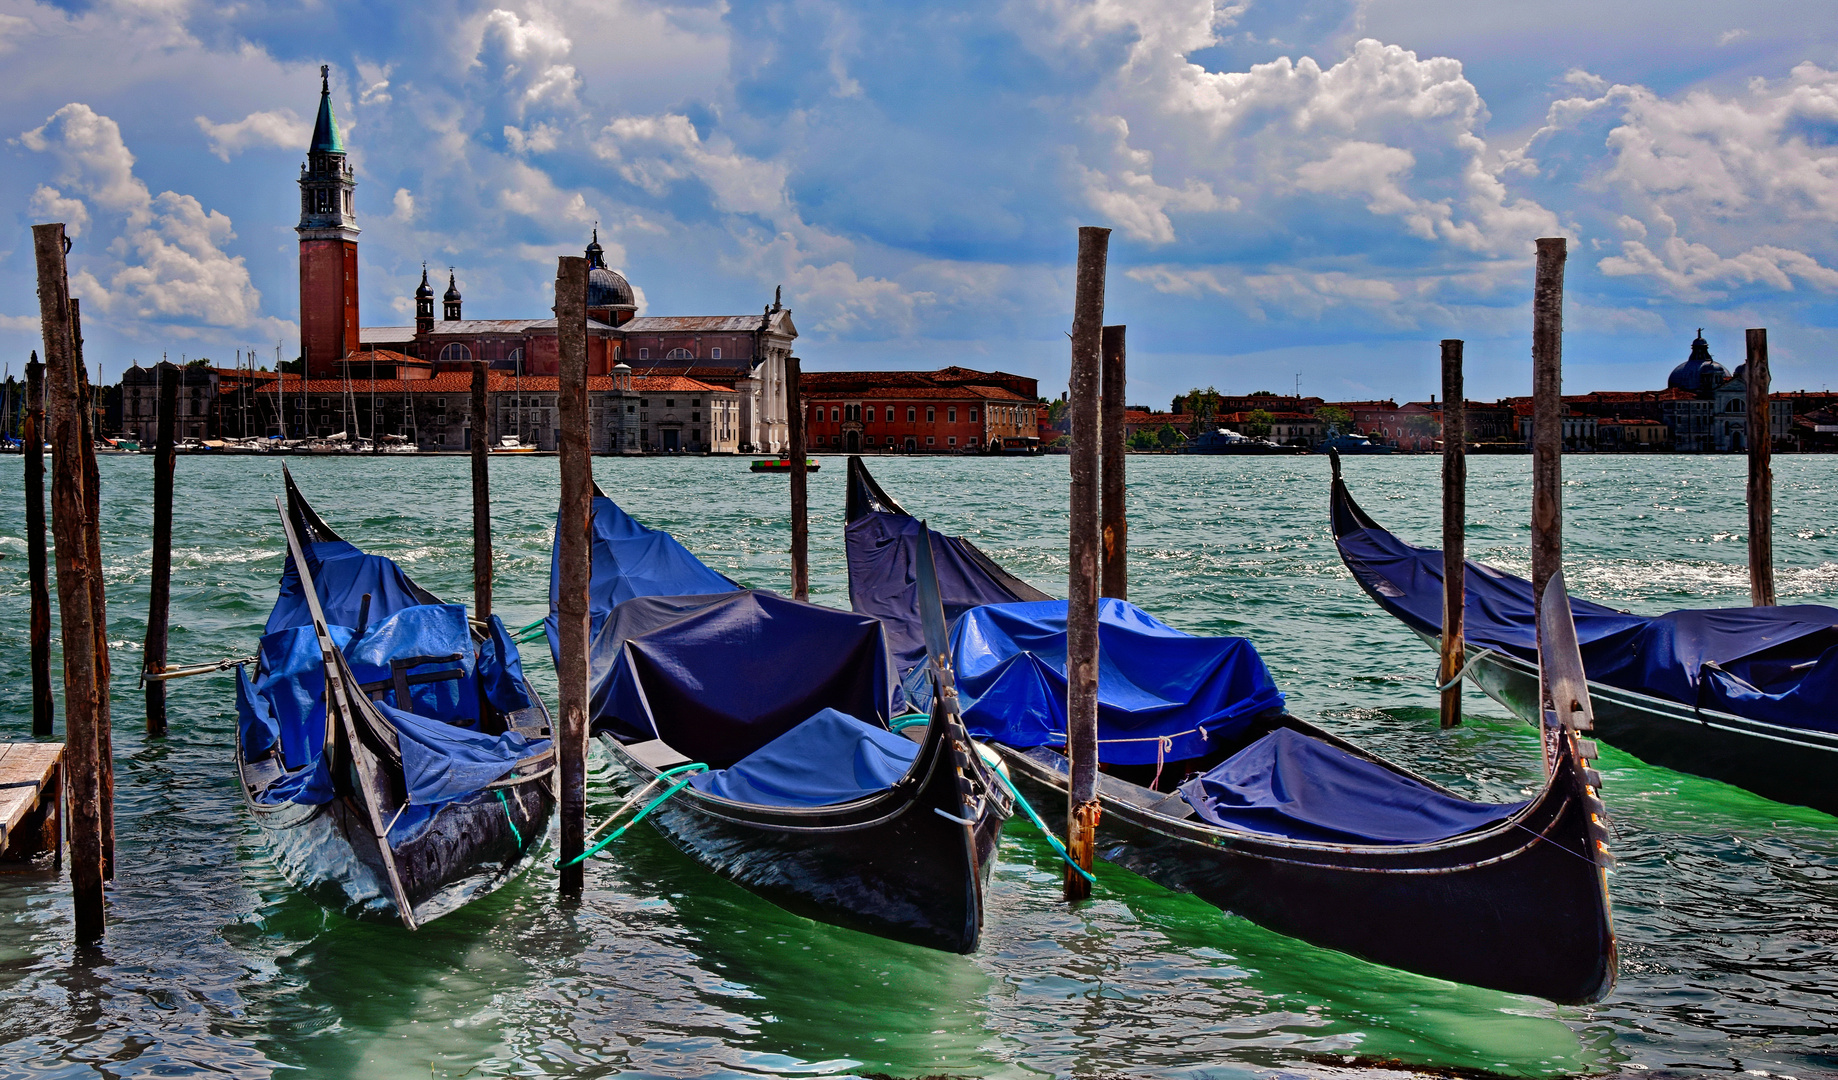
x: 398, y: 763
x: 1227, y: 441
x: 771, y: 724
x: 770, y: 465
x: 1210, y: 787
x: 509, y: 445
x: 1336, y: 443
x: 1744, y: 695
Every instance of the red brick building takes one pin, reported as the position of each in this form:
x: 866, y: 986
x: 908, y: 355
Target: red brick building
x: 952, y: 410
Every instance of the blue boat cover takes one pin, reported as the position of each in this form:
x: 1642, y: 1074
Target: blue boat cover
x: 344, y: 575
x: 718, y: 677
x: 283, y: 708
x: 830, y: 758
x: 1287, y: 784
x: 629, y: 559
x: 881, y: 548
x: 1162, y: 694
x: 441, y: 762
x: 1774, y: 664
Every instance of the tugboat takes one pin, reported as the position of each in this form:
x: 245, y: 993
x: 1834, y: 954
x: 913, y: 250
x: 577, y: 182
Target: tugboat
x: 1349, y: 444
x: 768, y: 465
x: 1227, y: 441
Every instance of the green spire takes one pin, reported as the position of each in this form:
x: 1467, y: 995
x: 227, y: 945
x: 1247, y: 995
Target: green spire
x: 325, y: 130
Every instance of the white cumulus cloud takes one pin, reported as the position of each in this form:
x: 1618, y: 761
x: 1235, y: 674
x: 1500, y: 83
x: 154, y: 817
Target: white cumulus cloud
x: 275, y: 127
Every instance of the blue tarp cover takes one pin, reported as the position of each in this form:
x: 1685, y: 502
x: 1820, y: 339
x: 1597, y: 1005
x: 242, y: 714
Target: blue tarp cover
x: 830, y: 758
x: 1154, y: 682
x: 1287, y: 784
x: 1774, y: 664
x: 630, y: 559
x: 441, y: 762
x: 718, y: 677
x: 881, y: 548
x: 284, y: 706
x: 344, y: 574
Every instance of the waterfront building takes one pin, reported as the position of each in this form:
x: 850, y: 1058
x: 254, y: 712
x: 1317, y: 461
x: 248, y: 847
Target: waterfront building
x: 952, y: 410
x: 741, y: 356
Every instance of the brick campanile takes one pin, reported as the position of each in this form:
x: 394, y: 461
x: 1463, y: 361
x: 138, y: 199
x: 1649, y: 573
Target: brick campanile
x: 328, y: 245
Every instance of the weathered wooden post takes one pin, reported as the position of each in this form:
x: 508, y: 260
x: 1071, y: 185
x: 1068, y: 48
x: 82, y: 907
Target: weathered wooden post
x: 159, y: 603
x: 574, y: 549
x: 1454, y: 521
x: 1082, y: 582
x: 1115, y: 576
x: 1547, y: 414
x: 1761, y: 473
x: 800, y: 488
x: 92, y: 509
x: 33, y: 435
x: 481, y: 495
x: 69, y: 518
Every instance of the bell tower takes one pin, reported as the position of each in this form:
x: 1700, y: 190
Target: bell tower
x: 328, y: 245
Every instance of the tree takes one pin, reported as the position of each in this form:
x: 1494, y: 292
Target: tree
x: 1142, y: 440
x: 1167, y: 436
x: 199, y: 364
x: 1336, y: 416
x: 1257, y: 425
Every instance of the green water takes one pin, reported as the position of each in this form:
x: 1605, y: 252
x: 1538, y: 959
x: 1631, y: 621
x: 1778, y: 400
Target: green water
x: 1726, y: 904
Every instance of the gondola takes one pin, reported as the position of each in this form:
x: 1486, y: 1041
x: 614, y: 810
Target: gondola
x: 1210, y: 787
x: 398, y: 764
x: 1748, y: 696
x: 768, y: 724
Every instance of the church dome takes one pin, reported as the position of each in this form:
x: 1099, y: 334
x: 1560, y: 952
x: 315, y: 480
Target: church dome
x: 453, y: 293
x: 1698, y: 369
x: 606, y: 288
x: 426, y: 291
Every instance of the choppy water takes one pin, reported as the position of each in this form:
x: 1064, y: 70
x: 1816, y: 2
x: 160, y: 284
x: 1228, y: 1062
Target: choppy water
x: 1727, y: 905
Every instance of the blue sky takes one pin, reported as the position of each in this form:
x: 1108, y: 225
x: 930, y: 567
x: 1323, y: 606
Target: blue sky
x: 1319, y: 190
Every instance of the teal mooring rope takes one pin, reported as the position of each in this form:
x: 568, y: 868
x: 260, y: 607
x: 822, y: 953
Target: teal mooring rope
x: 652, y: 805
x: 508, y: 820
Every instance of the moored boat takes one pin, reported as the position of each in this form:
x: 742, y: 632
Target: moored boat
x: 1746, y: 695
x: 782, y: 465
x: 1210, y: 787
x: 389, y: 748
x: 771, y: 723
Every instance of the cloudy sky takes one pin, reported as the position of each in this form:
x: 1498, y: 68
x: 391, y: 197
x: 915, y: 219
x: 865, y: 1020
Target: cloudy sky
x: 1318, y: 189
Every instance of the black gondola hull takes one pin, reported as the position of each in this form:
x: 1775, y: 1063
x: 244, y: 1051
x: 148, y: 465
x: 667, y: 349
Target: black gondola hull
x: 1522, y: 907
x: 894, y: 865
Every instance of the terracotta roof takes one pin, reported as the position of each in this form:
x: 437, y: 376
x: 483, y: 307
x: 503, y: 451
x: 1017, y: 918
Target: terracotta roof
x: 919, y: 393
x: 502, y: 326
x: 680, y: 384
x: 658, y: 324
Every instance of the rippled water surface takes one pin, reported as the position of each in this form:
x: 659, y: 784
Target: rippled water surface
x: 1726, y: 904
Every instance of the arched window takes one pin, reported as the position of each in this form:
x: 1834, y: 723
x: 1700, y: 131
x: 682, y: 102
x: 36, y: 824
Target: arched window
x: 679, y: 354
x: 455, y: 354
x: 1735, y: 405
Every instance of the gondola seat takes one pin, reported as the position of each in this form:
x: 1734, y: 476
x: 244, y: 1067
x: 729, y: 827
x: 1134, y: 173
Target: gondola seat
x: 1287, y: 784
x: 828, y: 759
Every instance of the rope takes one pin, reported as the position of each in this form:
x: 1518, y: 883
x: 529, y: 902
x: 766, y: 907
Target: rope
x: 906, y: 720
x: 652, y: 805
x: 1443, y: 688
x: 508, y: 820
x: 1042, y: 826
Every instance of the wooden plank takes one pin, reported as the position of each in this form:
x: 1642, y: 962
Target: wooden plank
x: 26, y: 771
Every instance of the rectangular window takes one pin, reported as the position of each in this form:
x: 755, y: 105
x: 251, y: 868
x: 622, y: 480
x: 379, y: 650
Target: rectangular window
x: 440, y: 402
x: 912, y: 414
x: 951, y: 415
x: 695, y: 403
x: 644, y: 403
x: 871, y: 414
x: 644, y: 354
x: 929, y: 440
x: 971, y: 441
x: 714, y: 354
x: 931, y: 415
x: 973, y: 416
x: 630, y: 408
x: 952, y: 441
x: 670, y: 403
x: 695, y: 416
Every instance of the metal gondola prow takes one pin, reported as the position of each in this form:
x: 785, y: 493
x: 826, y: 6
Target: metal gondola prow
x: 862, y: 496
x: 1563, y: 686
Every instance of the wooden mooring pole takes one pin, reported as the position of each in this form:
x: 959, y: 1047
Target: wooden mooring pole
x: 75, y: 578
x: 92, y: 510
x: 1547, y: 414
x: 481, y: 495
x: 574, y: 549
x: 800, y: 486
x: 1115, y: 576
x: 1454, y: 521
x: 159, y: 603
x: 1082, y: 583
x: 1761, y: 472
x: 33, y: 435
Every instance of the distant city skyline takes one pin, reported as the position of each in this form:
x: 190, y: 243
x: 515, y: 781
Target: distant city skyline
x: 1323, y: 189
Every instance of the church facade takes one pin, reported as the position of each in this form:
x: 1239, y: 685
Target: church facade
x: 739, y: 355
